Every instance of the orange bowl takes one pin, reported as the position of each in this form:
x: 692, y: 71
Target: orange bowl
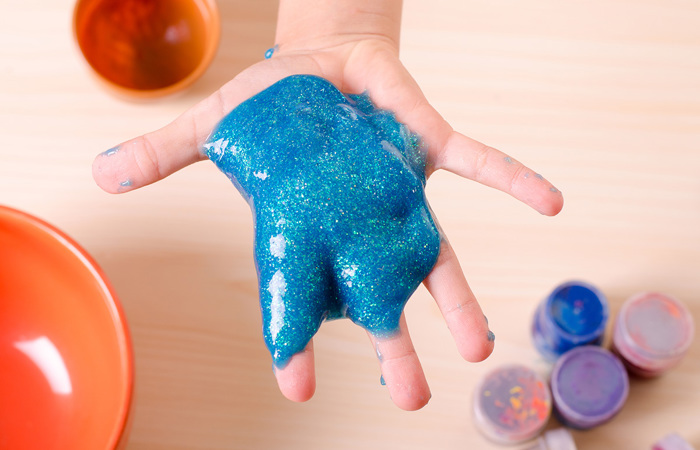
x: 66, y: 363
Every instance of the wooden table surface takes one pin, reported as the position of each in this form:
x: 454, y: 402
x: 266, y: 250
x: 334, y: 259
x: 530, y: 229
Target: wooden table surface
x: 602, y: 97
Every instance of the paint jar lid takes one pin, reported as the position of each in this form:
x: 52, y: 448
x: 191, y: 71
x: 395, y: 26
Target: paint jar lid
x: 579, y: 310
x: 512, y: 404
x: 557, y: 439
x: 589, y: 386
x: 653, y: 331
x: 672, y: 441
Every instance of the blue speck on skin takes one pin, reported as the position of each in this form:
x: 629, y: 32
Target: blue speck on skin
x: 342, y: 226
x: 381, y: 380
x: 125, y: 183
x: 270, y: 51
x: 490, y: 336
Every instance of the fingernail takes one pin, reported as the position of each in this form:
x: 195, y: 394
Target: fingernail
x: 111, y: 151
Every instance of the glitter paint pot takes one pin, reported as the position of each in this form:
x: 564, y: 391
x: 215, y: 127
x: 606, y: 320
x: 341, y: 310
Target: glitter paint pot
x: 652, y: 333
x: 147, y: 48
x: 589, y: 387
x: 574, y: 314
x: 512, y: 404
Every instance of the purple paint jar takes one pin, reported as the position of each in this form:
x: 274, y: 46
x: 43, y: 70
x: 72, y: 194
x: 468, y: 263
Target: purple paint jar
x: 574, y: 314
x: 652, y: 333
x: 589, y: 386
x: 512, y: 404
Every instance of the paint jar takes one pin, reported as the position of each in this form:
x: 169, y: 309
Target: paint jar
x: 574, y: 314
x: 147, y: 48
x: 672, y: 441
x: 512, y: 404
x: 652, y: 333
x: 589, y: 387
x: 558, y: 439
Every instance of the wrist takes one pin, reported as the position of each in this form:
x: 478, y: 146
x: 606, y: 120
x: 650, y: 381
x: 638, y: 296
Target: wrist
x: 318, y: 24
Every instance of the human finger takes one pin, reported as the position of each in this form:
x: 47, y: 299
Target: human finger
x: 155, y: 155
x: 297, y: 379
x: 393, y: 88
x: 479, y: 162
x: 401, y: 370
x: 459, y: 307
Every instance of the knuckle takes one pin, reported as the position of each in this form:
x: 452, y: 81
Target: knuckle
x: 146, y: 159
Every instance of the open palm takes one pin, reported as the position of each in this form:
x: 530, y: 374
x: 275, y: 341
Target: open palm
x: 354, y: 64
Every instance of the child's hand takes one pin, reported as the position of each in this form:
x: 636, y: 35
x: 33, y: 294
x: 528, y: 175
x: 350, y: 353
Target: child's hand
x: 355, y: 63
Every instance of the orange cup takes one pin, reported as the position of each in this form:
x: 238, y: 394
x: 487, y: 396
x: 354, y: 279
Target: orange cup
x: 66, y: 361
x: 144, y: 49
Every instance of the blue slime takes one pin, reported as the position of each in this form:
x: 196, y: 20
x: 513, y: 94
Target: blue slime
x: 336, y: 187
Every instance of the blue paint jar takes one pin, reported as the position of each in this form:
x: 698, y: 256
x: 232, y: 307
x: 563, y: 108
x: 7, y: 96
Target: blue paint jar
x: 574, y: 314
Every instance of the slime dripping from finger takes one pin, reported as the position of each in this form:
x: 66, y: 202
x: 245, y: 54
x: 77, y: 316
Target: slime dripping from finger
x: 342, y: 225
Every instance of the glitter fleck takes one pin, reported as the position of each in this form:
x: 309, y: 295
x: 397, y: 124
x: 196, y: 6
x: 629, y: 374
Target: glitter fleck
x: 346, y: 197
x: 490, y: 336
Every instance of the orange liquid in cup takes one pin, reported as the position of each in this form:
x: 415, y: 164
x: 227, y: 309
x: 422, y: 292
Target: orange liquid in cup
x: 146, y: 45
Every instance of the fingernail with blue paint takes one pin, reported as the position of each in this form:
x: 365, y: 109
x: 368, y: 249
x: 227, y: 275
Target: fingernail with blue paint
x: 490, y: 336
x: 111, y: 151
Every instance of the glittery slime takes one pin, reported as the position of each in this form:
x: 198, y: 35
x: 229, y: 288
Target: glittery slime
x: 342, y: 226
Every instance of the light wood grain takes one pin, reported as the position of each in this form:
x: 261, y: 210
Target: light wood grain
x: 601, y: 97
